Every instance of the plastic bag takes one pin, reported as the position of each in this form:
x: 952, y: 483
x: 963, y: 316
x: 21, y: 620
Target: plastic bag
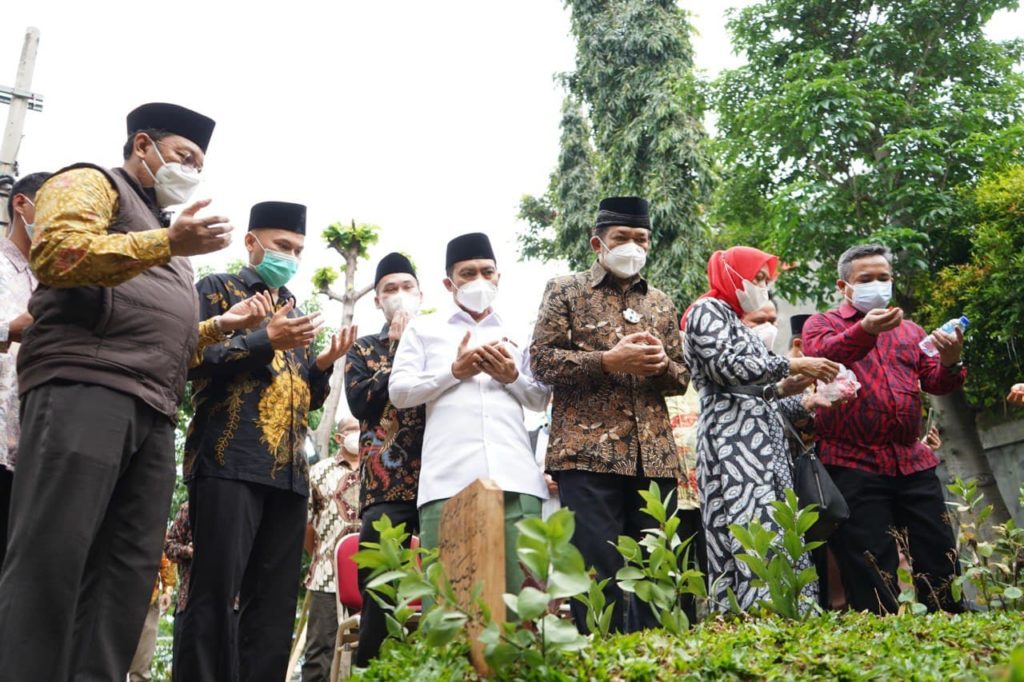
x: 841, y: 389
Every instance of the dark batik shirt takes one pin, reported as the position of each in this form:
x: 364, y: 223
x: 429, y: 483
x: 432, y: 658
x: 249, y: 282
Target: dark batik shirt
x: 252, y: 403
x: 602, y: 422
x: 880, y: 430
x: 178, y: 548
x: 390, y: 440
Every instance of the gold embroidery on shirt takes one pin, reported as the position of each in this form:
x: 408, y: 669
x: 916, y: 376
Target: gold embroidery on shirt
x: 234, y: 407
x: 282, y: 413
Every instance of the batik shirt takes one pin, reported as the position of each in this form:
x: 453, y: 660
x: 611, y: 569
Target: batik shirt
x: 603, y: 422
x: 16, y: 284
x: 333, y: 513
x: 72, y: 247
x: 252, y: 403
x: 390, y: 440
x: 178, y: 548
x: 683, y: 412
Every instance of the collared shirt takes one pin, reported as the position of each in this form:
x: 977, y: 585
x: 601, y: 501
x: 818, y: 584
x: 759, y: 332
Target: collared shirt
x: 475, y: 427
x: 880, y: 430
x: 333, y: 513
x: 72, y: 247
x: 390, y: 440
x: 252, y: 403
x: 603, y: 422
x: 17, y: 284
x: 178, y: 548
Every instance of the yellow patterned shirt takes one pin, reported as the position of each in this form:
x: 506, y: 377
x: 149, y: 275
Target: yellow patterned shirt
x: 72, y: 246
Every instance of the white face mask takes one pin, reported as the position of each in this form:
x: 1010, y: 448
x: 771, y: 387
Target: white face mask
x: 30, y: 228
x: 404, y: 301
x: 751, y: 297
x: 870, y: 295
x: 477, y: 295
x: 173, y: 184
x: 767, y: 332
x: 624, y: 261
x: 351, y: 443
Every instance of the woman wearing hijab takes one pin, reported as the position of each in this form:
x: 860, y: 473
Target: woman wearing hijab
x: 742, y: 454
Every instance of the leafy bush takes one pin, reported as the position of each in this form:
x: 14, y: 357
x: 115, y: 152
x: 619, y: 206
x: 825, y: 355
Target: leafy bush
x: 848, y: 646
x: 655, y: 569
x: 536, y: 638
x: 993, y: 566
x: 774, y: 556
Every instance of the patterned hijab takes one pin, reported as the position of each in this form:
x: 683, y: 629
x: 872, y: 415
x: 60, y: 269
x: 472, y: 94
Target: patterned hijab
x: 727, y: 269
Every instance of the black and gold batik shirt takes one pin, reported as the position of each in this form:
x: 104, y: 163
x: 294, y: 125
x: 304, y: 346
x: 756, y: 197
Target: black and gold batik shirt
x: 252, y: 403
x: 390, y: 440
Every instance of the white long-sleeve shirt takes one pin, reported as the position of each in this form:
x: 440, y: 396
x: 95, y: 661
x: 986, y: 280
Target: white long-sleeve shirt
x: 475, y: 427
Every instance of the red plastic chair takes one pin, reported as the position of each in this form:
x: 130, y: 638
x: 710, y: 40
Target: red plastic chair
x: 350, y: 599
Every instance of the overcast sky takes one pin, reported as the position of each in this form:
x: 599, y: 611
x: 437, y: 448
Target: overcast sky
x: 430, y: 119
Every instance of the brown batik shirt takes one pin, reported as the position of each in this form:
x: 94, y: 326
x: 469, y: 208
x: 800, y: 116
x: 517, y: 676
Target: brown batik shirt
x: 604, y: 422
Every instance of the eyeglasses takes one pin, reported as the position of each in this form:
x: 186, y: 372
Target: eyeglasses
x: 188, y: 161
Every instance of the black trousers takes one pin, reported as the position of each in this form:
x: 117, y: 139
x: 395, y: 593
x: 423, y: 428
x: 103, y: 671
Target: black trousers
x: 6, y: 482
x: 247, y: 541
x: 372, y: 628
x: 321, y: 635
x: 88, y: 514
x: 866, y: 550
x: 607, y: 506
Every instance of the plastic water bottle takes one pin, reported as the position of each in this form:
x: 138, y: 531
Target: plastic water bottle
x: 928, y: 343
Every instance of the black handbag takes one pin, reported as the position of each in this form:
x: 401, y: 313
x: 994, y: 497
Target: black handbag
x: 813, y: 485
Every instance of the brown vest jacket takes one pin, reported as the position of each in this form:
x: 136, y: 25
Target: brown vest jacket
x: 137, y: 337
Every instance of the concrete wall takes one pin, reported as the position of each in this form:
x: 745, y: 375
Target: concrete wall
x: 1004, y: 446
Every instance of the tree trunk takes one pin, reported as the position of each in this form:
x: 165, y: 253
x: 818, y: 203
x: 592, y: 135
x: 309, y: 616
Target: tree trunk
x: 322, y: 434
x: 964, y: 455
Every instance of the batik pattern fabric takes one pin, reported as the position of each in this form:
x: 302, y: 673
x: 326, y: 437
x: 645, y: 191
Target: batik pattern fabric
x: 252, y: 402
x: 743, y: 462
x: 601, y: 422
x: 333, y: 513
x: 178, y: 548
x: 390, y: 440
x: 17, y: 284
x: 72, y: 245
x: 683, y: 412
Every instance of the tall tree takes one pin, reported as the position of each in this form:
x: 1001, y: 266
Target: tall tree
x: 858, y: 120
x: 352, y: 243
x: 631, y: 124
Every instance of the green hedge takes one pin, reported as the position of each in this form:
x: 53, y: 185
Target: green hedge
x: 843, y: 646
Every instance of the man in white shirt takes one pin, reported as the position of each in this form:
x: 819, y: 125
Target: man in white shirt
x: 16, y: 286
x: 475, y: 383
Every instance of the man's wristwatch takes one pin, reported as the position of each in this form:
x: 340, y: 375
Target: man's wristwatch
x: 954, y: 368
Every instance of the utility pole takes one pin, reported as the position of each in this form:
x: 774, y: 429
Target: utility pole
x: 20, y: 99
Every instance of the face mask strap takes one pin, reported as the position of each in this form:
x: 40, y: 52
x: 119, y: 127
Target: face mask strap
x: 285, y: 256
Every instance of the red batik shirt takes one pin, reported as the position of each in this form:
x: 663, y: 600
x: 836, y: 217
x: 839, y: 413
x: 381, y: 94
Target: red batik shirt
x: 880, y: 430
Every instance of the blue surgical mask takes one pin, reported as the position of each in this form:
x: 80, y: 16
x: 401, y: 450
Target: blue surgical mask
x: 276, y: 268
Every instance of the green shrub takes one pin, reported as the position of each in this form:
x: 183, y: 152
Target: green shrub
x: 774, y: 556
x: 992, y: 566
x: 847, y: 646
x: 656, y: 567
